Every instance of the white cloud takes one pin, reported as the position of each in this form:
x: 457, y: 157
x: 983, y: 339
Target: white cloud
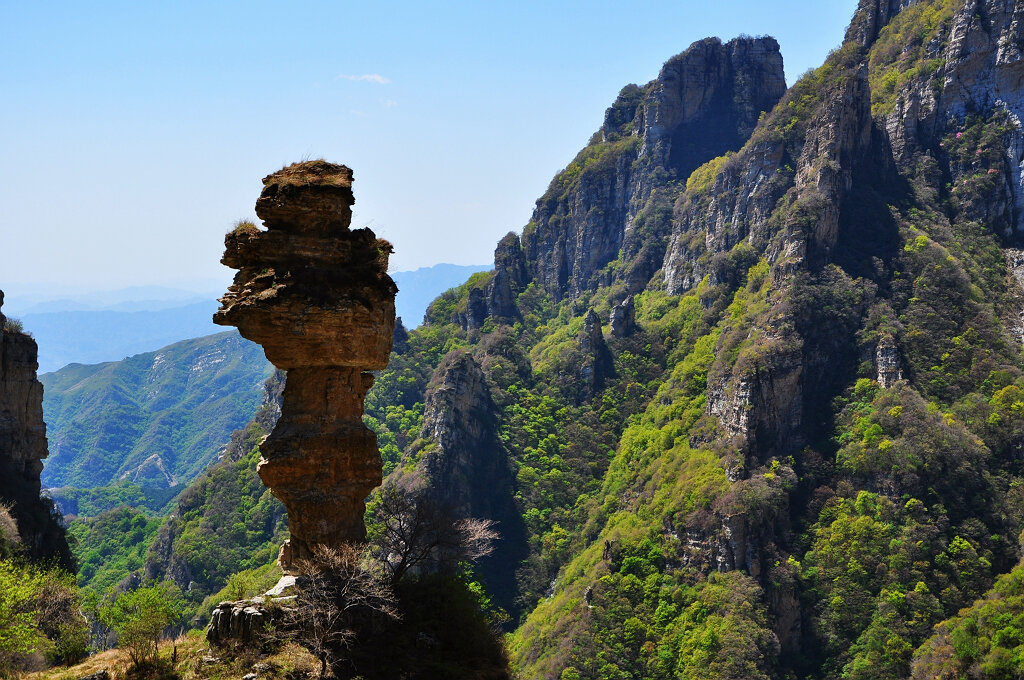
x: 366, y: 77
x: 388, y: 103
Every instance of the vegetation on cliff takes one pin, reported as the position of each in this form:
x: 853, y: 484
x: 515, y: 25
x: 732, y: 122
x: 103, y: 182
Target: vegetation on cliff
x: 782, y: 441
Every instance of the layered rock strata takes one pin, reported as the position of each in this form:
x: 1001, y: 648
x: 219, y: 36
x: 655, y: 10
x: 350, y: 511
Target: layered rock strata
x: 613, y: 200
x: 23, y: 447
x: 316, y: 295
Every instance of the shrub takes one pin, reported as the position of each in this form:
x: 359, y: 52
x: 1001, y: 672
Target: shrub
x: 13, y: 325
x: 139, y: 618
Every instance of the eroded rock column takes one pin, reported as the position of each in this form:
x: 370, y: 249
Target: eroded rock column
x: 316, y: 295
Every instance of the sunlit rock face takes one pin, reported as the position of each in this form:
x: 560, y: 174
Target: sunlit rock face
x: 316, y: 295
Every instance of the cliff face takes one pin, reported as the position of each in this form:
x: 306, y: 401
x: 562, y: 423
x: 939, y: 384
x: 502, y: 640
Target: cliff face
x: 317, y: 296
x: 466, y: 469
x: 969, y: 63
x: 705, y: 102
x: 23, y: 448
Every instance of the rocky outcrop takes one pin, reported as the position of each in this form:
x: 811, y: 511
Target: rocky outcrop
x: 741, y: 204
x: 245, y: 622
x: 510, y: 279
x: 887, y: 363
x: 597, y: 364
x: 317, y: 297
x: 466, y: 467
x: 614, y: 197
x: 871, y: 17
x: 970, y: 65
x: 623, y: 318
x: 23, y: 448
x: 459, y: 419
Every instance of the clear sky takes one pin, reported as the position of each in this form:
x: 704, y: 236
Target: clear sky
x: 134, y: 134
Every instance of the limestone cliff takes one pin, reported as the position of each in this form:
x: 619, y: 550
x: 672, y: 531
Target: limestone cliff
x: 23, y: 448
x: 614, y: 201
x: 317, y: 297
x: 466, y: 469
x: 705, y: 102
x: 969, y: 64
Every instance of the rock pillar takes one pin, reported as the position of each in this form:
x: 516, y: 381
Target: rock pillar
x: 316, y: 295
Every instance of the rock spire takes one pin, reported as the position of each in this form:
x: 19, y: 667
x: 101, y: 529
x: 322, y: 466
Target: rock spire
x: 317, y: 297
x: 23, y: 447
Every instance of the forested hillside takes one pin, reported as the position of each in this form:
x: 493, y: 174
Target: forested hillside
x: 155, y: 419
x: 754, y: 367
x: 745, y: 397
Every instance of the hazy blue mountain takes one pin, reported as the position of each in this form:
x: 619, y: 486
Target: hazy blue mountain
x: 89, y: 328
x: 418, y: 288
x: 156, y: 419
x: 34, y: 299
x: 89, y: 337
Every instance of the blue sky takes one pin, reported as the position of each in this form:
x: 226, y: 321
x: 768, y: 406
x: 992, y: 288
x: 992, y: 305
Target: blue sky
x: 134, y: 134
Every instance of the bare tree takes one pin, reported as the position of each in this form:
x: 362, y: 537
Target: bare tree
x: 419, y: 534
x: 341, y: 590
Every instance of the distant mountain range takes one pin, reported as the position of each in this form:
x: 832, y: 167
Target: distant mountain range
x: 156, y: 419
x: 89, y: 328
x: 91, y: 337
x: 418, y: 288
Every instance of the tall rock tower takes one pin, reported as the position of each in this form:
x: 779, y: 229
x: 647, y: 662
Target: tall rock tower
x: 23, y: 447
x: 316, y: 295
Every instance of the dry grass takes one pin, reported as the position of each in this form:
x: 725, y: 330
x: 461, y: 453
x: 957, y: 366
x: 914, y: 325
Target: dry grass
x: 194, y: 661
x: 316, y: 171
x: 8, y: 526
x: 245, y: 226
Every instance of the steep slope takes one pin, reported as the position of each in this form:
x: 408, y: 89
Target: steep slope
x: 704, y: 103
x: 225, y: 521
x: 23, y: 448
x: 795, y: 455
x: 155, y: 419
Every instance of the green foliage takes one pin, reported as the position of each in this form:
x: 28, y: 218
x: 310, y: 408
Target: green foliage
x: 656, y: 626
x: 788, y: 121
x: 227, y: 521
x: 702, y: 179
x: 599, y: 159
x: 111, y: 545
x: 139, y: 618
x: 985, y: 640
x: 12, y: 325
x: 159, y: 417
x: 87, y: 503
x: 39, y: 614
x: 904, y: 51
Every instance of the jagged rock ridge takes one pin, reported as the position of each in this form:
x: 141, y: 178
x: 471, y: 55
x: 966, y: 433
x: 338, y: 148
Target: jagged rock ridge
x: 613, y: 203
x: 705, y: 102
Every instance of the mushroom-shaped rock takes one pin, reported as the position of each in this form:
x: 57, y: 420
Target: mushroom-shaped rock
x: 316, y: 295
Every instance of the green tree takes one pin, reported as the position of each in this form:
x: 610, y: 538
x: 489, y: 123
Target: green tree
x: 139, y: 618
x: 39, y: 614
x: 19, y: 634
